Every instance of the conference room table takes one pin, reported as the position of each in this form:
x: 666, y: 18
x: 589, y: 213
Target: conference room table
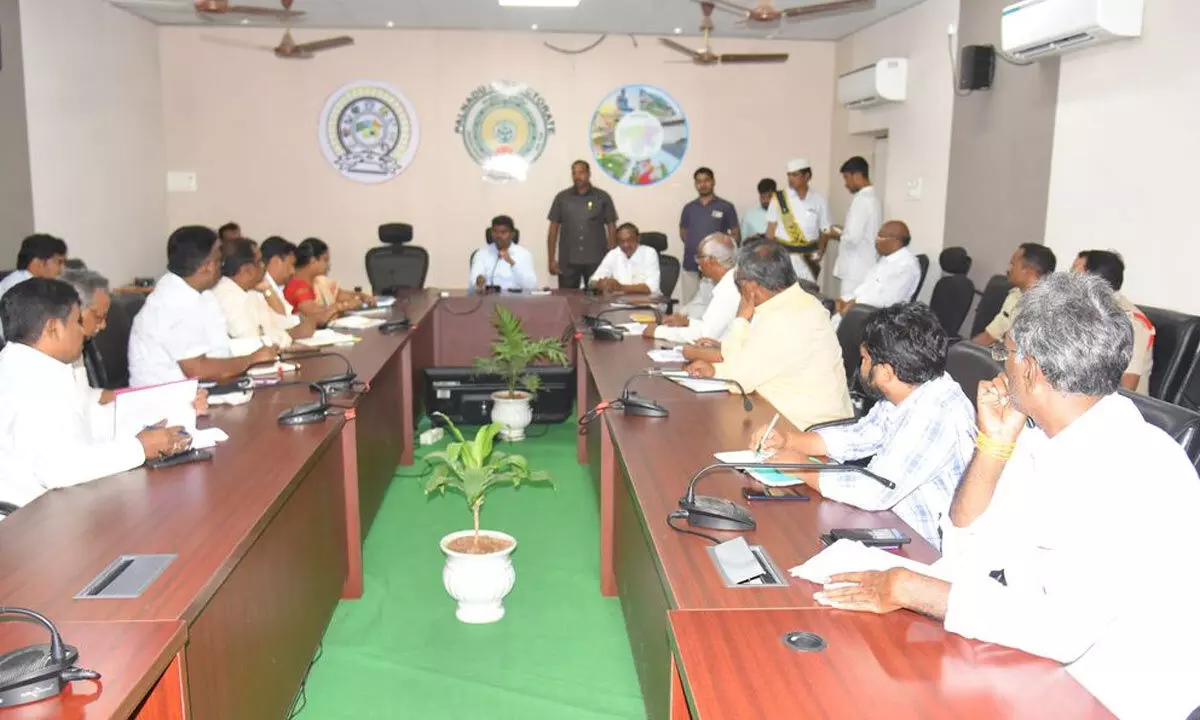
x: 266, y: 538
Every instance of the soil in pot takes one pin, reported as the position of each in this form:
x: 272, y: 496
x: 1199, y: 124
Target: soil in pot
x: 478, y: 545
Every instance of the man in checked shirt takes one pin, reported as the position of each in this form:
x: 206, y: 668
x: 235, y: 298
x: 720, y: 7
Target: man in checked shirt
x: 921, y: 433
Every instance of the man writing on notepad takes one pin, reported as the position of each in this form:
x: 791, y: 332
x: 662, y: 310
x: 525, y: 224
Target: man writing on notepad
x: 47, y: 439
x: 1071, y: 538
x: 920, y: 435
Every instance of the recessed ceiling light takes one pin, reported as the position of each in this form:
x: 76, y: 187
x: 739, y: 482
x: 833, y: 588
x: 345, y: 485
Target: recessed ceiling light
x: 533, y: 26
x: 678, y: 30
x: 540, y: 3
x: 391, y: 24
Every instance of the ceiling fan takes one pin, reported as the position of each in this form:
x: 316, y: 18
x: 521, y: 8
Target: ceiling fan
x: 222, y: 7
x: 765, y: 12
x: 289, y: 49
x: 705, y: 55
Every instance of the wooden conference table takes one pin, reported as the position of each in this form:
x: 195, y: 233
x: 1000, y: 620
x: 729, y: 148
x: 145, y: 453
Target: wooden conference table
x: 268, y: 537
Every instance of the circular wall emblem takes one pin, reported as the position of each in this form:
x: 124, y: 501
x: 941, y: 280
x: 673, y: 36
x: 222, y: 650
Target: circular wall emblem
x: 369, y: 131
x: 639, y: 135
x: 505, y: 127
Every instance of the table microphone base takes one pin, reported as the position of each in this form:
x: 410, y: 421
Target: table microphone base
x: 636, y: 405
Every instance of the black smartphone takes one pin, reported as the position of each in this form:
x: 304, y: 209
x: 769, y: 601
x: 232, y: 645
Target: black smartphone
x: 877, y: 537
x: 752, y: 495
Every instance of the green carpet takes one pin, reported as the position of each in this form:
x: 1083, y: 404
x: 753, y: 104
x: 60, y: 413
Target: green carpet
x: 561, y: 650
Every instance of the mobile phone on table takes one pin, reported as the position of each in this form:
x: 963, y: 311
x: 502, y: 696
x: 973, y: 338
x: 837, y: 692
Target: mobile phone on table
x: 753, y: 495
x: 871, y: 537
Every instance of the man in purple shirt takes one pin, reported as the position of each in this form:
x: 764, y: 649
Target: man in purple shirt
x: 705, y: 215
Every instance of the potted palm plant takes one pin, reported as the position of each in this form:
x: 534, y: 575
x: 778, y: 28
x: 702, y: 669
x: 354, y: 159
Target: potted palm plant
x: 478, y: 572
x: 512, y: 353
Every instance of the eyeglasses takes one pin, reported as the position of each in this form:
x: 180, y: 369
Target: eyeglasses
x: 1000, y: 351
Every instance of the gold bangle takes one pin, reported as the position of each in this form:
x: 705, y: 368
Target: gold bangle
x: 994, y: 448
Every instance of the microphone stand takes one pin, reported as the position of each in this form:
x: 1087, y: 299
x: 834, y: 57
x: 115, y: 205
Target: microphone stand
x: 746, y: 404
x: 337, y: 383
x: 636, y: 405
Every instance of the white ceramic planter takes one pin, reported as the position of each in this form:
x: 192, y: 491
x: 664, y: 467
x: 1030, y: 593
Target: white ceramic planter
x: 515, y: 414
x: 479, y: 582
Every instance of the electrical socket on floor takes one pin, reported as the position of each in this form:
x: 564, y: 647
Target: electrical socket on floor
x: 431, y: 436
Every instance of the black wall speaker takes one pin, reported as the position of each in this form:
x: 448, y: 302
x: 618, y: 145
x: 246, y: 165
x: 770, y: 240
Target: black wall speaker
x: 976, y: 67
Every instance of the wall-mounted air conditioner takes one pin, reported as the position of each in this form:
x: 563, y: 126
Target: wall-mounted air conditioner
x: 881, y: 82
x: 1034, y: 29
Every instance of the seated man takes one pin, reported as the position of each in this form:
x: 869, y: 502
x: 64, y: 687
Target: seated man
x: 1035, y: 546
x: 247, y: 315
x: 42, y: 256
x: 789, y: 354
x: 1028, y: 265
x: 181, y: 332
x: 921, y: 433
x: 279, y: 260
x: 47, y: 439
x: 630, y: 267
x: 894, y: 276
x: 503, y: 263
x: 227, y: 233
x: 715, y: 257
x: 1111, y: 267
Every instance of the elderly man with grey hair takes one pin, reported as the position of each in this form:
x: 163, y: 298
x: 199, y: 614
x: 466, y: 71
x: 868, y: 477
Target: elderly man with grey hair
x: 789, y: 355
x: 1048, y: 547
x: 94, y: 302
x: 716, y: 302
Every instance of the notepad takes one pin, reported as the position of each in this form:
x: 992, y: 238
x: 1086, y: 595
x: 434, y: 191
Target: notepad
x: 137, y: 408
x: 358, y: 321
x: 767, y: 476
x: 851, y: 556
x: 670, y: 355
x: 325, y: 336
x: 699, y: 385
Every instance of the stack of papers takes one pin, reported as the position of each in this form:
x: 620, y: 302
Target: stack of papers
x: 699, y: 385
x: 633, y: 328
x: 136, y: 409
x: 766, y: 476
x: 672, y: 355
x: 851, y: 556
x: 358, y: 321
x: 325, y: 336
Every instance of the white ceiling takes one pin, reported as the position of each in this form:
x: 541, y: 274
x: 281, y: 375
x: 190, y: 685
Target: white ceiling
x: 643, y: 17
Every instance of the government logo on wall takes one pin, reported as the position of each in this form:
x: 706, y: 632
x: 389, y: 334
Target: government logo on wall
x: 639, y: 135
x: 369, y: 131
x: 504, y: 127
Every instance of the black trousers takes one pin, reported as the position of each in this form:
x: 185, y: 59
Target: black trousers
x: 570, y: 275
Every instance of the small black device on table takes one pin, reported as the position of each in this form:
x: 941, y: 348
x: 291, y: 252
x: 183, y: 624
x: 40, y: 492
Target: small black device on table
x: 871, y: 537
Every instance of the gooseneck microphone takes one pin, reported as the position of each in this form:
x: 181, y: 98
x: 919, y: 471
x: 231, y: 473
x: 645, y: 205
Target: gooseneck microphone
x: 336, y: 383
x: 38, y: 672
x: 634, y: 404
x: 746, y: 404
x: 721, y: 514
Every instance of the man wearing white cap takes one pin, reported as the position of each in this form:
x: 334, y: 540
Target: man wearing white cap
x: 803, y: 218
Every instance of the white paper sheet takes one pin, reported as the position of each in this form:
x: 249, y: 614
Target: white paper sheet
x: 633, y: 328
x: 136, y: 409
x: 325, y: 336
x: 672, y: 355
x: 208, y: 437
x: 851, y: 556
x: 701, y: 385
x: 357, y: 322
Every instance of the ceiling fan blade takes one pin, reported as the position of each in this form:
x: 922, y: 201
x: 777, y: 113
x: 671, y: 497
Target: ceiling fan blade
x: 326, y: 44
x: 754, y: 57
x: 729, y: 7
x: 822, y: 7
x: 681, y: 48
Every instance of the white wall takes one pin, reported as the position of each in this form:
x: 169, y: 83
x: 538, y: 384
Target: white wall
x: 93, y: 96
x: 1126, y: 153
x: 918, y: 129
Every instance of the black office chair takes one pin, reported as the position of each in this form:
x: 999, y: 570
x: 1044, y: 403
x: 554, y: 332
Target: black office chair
x: 923, y: 261
x: 396, y: 265
x: 656, y: 240
x: 7, y: 509
x: 669, y: 267
x: 1176, y: 337
x: 990, y: 302
x: 106, y: 356
x: 1180, y: 423
x: 968, y: 364
x: 953, y: 293
x: 849, y: 335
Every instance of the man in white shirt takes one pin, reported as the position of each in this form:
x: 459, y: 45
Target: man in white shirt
x: 180, y: 332
x: 856, y: 250
x: 279, y: 259
x: 716, y: 258
x: 247, y: 314
x: 40, y: 255
x: 893, y: 279
x: 1072, y: 539
x: 47, y: 439
x: 502, y: 263
x: 920, y: 435
x: 754, y: 219
x: 630, y: 267
x: 810, y: 212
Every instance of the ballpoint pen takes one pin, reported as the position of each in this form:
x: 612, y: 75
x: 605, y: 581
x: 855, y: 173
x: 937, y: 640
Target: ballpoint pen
x: 767, y: 434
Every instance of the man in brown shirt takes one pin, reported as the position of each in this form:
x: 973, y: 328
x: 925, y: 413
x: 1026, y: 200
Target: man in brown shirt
x: 583, y: 224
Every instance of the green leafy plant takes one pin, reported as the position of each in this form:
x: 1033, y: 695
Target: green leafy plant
x: 514, y: 351
x: 473, y: 468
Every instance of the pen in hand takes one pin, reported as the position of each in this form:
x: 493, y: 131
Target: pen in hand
x: 762, y: 440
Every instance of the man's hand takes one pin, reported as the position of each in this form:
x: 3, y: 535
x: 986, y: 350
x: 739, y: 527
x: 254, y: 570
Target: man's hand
x: 506, y: 257
x: 835, y: 231
x: 649, y: 331
x: 675, y: 321
x: 872, y: 591
x: 265, y: 354
x: 553, y: 266
x: 840, y: 306
x: 999, y: 417
x: 706, y: 342
x: 480, y: 281
x: 608, y: 285
x: 160, y: 441
x: 200, y: 402
x: 774, y: 443
x: 701, y: 369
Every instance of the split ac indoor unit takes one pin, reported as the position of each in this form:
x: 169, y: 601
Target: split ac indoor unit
x: 881, y: 82
x: 1034, y: 29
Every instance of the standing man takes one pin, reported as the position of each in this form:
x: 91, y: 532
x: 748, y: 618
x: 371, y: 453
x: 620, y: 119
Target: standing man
x: 857, y: 255
x: 798, y: 218
x: 584, y: 219
x: 705, y: 215
x: 754, y: 220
